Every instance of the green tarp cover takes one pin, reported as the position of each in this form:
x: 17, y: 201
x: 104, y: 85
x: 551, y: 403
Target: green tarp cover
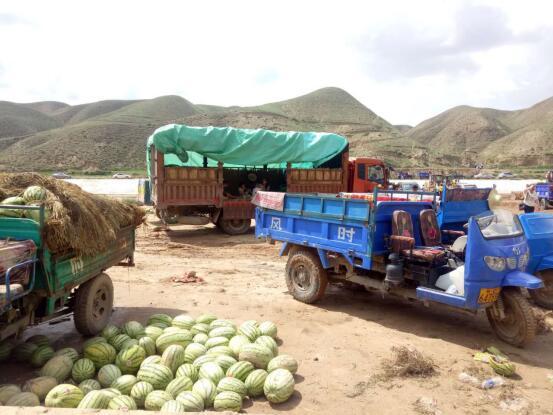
x: 187, y: 146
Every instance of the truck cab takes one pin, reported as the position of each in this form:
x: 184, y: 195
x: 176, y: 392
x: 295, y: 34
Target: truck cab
x: 367, y: 173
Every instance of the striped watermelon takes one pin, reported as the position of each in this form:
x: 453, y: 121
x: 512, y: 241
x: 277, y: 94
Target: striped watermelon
x: 237, y: 342
x: 139, y: 392
x: 207, y: 390
x: 94, y: 400
x: 23, y: 399
x: 7, y: 391
x: 233, y: 385
x: 220, y: 350
x: 179, y: 385
x: 257, y: 354
x: 249, y: 329
x: 268, y: 328
x: 193, y: 351
x: 279, y: 386
x: 123, y: 403
x: 153, y: 332
x: 107, y: 375
x: 216, y: 341
x: 35, y: 194
x: 206, y: 318
x: 118, y: 340
x: 101, y: 354
x: 124, y: 384
x: 160, y: 318
x: 187, y: 370
x: 283, y: 361
x: 171, y: 329
x: 132, y: 329
x: 173, y: 407
x: 199, y: 328
x: 227, y: 332
x: 69, y: 352
x: 128, y: 344
x: 148, y: 344
x: 182, y: 338
x: 225, y: 361
x: 240, y: 370
x: 129, y: 360
x: 41, y: 355
x: 111, y: 392
x: 269, y: 343
x: 228, y: 401
x: 39, y: 340
x: 173, y: 357
x: 58, y: 367
x: 200, y: 338
x: 83, y: 369
x: 89, y: 385
x: 94, y: 340
x: 156, y: 374
x: 40, y: 386
x: 109, y: 331
x: 183, y: 321
x: 221, y: 323
x: 64, y: 396
x: 211, y: 371
x: 151, y: 359
x: 192, y: 401
x: 23, y: 352
x: 202, y: 360
x: 155, y: 400
x: 12, y: 213
x: 255, y: 381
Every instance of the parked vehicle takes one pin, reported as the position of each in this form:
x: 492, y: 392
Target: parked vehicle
x: 121, y: 176
x: 458, y: 205
x: 391, y: 247
x: 483, y: 175
x: 60, y: 175
x: 506, y: 175
x: 41, y: 286
x: 215, y: 181
x: 545, y: 194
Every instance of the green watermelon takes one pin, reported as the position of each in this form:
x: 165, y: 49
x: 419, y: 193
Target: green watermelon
x: 107, y: 375
x: 151, y: 359
x: 83, y: 369
x: 172, y: 407
x: 221, y: 323
x: 228, y: 332
x: 6, y: 348
x: 23, y: 399
x: 41, y: 355
x: 268, y: 328
x: 119, y: 340
x: 283, y: 361
x: 171, y: 329
x: 173, y: 357
x: 148, y: 344
x: 7, y: 391
x: 225, y: 361
x: 207, y: 390
x: 94, y: 340
x: 216, y: 341
x: 101, y: 354
x: 111, y: 392
x: 240, y: 370
x: 211, y: 371
x: 279, y: 386
x: 220, y: 350
x: 129, y: 360
x: 200, y: 338
x: 35, y: 194
x: 109, y: 331
x: 94, y: 400
x: 182, y: 338
x: 64, y: 396
x: 58, y: 367
x: 124, y: 384
x: 89, y: 385
x: 206, y: 318
x: 69, y: 352
x: 193, y: 351
x: 199, y: 328
x: 187, y: 370
x: 256, y: 354
x: 155, y: 400
x: 192, y: 401
x: 160, y: 318
x: 153, y: 332
x: 123, y: 403
x: 157, y: 375
x: 139, y: 392
x: 269, y: 343
x: 12, y: 213
x: 40, y: 386
x: 228, y: 401
x: 179, y: 385
x: 249, y: 329
x: 233, y: 385
x: 237, y: 342
x: 183, y: 321
x: 23, y: 352
x: 202, y: 360
x: 128, y: 344
x: 133, y: 329
x: 255, y: 381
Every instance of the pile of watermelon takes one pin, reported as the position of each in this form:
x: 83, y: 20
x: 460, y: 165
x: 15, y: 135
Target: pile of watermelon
x: 178, y: 364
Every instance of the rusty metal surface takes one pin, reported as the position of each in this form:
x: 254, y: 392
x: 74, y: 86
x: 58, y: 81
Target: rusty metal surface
x: 315, y: 180
x: 238, y: 209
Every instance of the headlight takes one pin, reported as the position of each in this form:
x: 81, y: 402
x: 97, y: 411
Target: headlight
x: 523, y: 261
x: 495, y: 263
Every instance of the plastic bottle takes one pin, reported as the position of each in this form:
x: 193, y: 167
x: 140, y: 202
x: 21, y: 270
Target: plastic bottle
x: 493, y: 382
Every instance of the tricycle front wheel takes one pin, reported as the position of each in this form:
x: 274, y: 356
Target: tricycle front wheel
x: 306, y: 279
x: 517, y: 325
x: 544, y: 296
x: 93, y: 305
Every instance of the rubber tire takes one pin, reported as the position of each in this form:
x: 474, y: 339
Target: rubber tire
x: 523, y: 316
x: 241, y: 228
x: 311, y: 263
x: 85, y: 321
x: 540, y: 296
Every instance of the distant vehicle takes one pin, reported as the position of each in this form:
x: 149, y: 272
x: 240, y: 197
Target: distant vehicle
x: 61, y: 175
x: 121, y: 176
x: 506, y: 175
x: 483, y: 176
x: 408, y: 186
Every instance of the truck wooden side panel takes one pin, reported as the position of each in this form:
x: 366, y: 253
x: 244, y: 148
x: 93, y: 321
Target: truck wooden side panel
x: 321, y: 180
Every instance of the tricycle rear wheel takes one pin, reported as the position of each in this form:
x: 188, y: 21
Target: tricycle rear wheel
x: 93, y: 305
x: 518, y: 327
x: 306, y: 279
x: 544, y: 296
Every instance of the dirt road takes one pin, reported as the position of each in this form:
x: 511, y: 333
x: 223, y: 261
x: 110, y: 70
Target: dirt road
x: 340, y: 342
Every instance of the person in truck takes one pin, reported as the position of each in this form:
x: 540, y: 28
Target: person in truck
x: 531, y: 201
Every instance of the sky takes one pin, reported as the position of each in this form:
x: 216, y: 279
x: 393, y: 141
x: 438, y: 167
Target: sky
x: 405, y: 60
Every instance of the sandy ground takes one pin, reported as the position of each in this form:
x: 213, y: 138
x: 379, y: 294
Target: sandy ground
x: 340, y: 342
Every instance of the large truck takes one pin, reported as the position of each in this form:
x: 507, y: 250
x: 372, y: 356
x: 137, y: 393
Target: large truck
x: 199, y: 175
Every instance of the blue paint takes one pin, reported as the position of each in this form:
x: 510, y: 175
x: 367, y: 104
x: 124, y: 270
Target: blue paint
x: 538, y: 228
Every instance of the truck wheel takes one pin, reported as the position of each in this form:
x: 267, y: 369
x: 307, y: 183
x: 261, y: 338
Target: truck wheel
x: 518, y: 327
x: 544, y: 296
x: 306, y: 279
x: 234, y: 226
x: 93, y: 305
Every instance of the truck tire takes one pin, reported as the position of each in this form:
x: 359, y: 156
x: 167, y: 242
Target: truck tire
x: 306, y: 279
x: 544, y: 296
x: 93, y: 305
x: 518, y: 327
x: 234, y: 226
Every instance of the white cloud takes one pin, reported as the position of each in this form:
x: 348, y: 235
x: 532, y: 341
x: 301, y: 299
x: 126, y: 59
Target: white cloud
x: 405, y: 60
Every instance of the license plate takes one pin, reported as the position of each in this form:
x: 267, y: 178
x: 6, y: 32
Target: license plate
x: 488, y: 295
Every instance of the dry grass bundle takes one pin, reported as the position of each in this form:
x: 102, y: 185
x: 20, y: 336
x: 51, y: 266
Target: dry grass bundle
x: 408, y: 362
x: 79, y: 220
x: 542, y: 326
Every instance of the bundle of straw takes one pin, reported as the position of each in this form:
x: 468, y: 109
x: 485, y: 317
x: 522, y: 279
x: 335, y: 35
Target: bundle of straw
x: 79, y: 221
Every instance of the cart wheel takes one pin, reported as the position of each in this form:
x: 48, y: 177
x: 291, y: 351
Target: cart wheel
x: 234, y: 226
x: 544, y: 296
x: 93, y: 305
x: 305, y: 277
x: 518, y: 327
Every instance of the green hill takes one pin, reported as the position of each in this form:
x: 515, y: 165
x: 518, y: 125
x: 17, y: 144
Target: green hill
x: 18, y: 119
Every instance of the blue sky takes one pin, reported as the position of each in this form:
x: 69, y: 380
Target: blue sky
x: 406, y: 60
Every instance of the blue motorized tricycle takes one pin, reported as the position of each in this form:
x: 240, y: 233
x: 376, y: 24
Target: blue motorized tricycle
x: 396, y: 247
